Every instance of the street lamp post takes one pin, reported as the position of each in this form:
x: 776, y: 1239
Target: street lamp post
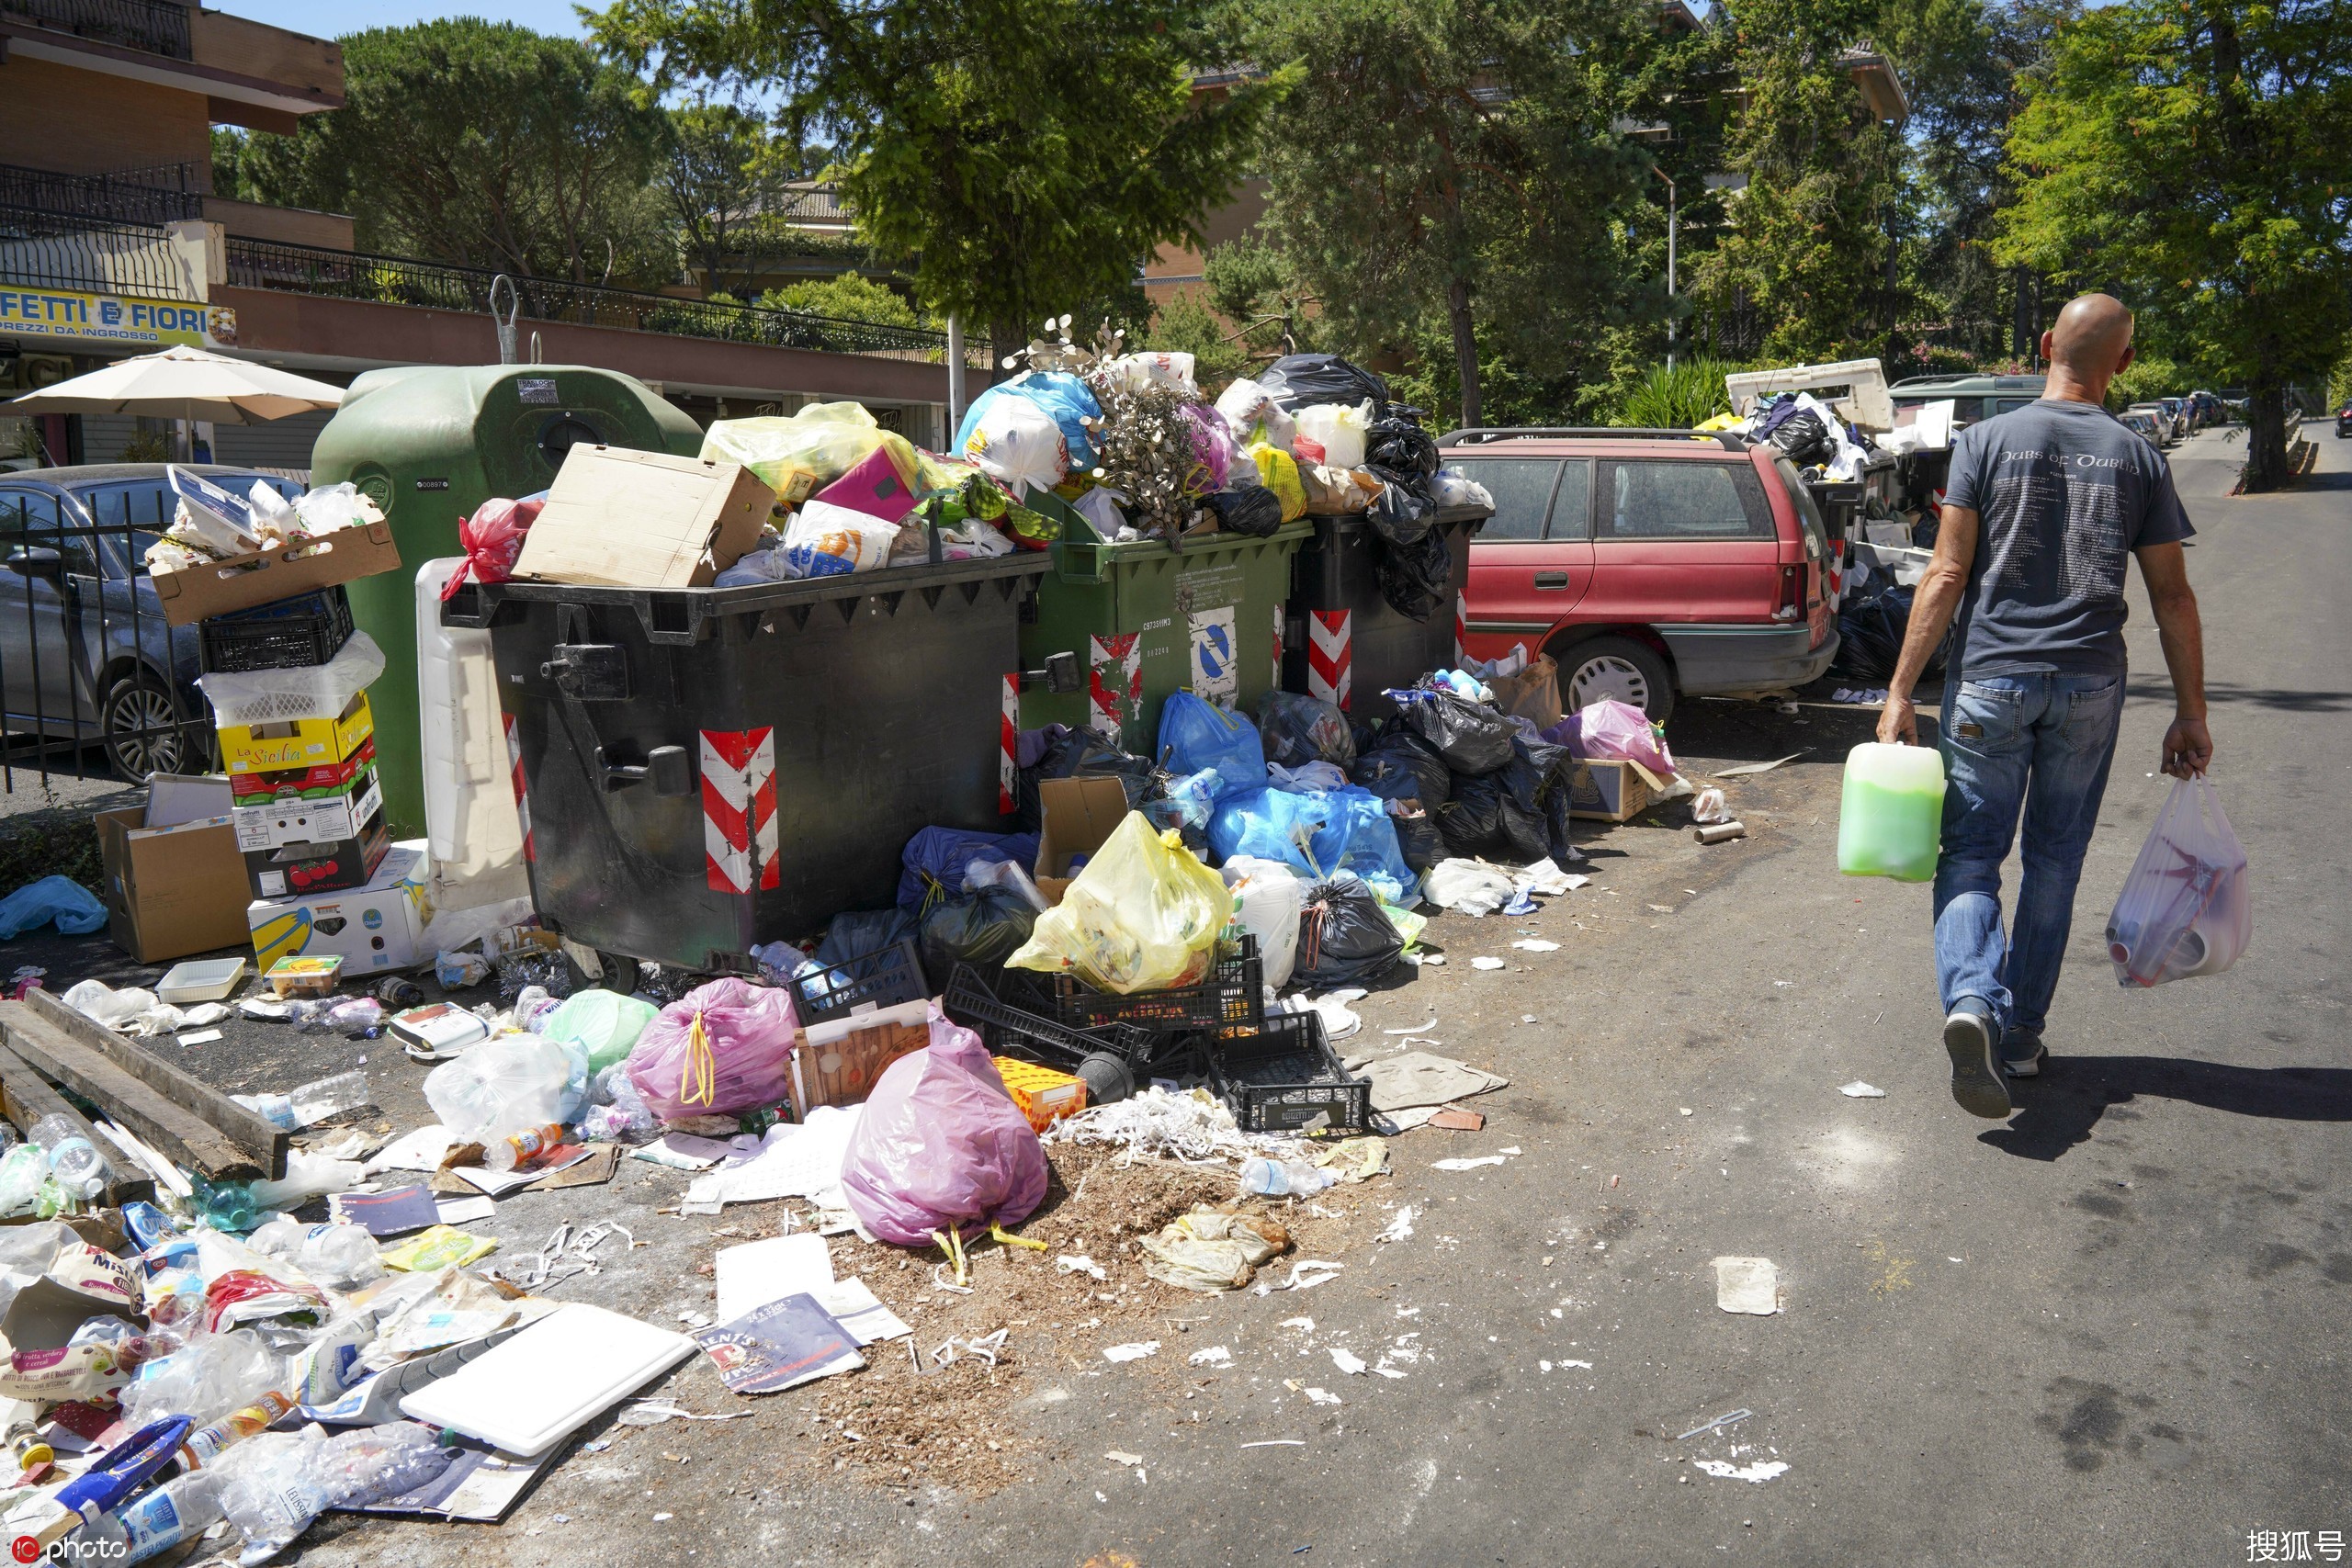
x: 1661, y: 174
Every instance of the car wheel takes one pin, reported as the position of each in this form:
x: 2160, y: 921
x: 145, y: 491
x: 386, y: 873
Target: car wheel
x: 143, y: 731
x: 1616, y: 667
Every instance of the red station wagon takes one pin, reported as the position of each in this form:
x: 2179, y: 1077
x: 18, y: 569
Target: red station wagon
x: 1648, y: 563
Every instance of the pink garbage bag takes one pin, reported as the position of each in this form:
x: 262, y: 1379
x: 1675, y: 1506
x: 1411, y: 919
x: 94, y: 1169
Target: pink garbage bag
x: 942, y: 1146
x: 721, y: 1047
x: 2187, y: 907
x: 1613, y: 731
x: 1213, y: 449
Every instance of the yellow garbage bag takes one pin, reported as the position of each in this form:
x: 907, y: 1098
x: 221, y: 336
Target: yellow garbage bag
x: 1278, y: 470
x: 1143, y: 914
x: 800, y: 454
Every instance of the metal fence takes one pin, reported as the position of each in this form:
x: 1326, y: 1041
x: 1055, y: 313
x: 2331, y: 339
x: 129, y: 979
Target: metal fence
x: 92, y: 678
x: 157, y: 26
x: 398, y: 280
x: 60, y: 250
x: 142, y: 196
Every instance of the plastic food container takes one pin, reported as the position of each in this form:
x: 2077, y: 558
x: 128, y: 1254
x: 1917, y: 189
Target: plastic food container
x: 200, y: 980
x: 312, y: 977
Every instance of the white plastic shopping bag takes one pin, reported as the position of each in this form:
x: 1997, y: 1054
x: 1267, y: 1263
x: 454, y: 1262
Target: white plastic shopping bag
x: 2186, y: 908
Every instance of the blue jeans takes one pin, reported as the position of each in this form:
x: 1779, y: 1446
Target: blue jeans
x: 2042, y: 744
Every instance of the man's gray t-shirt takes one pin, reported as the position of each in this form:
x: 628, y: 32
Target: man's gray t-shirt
x: 2063, y: 491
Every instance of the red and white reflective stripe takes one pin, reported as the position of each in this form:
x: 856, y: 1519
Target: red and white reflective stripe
x: 1009, y: 732
x: 739, y: 832
x: 1329, y: 656
x: 522, y: 801
x: 1460, y: 627
x: 1113, y: 680
x: 1280, y: 611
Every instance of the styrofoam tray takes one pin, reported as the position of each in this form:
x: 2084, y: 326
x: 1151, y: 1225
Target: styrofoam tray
x: 555, y: 1375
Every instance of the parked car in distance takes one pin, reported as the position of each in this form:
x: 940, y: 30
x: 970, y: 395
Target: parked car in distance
x: 1974, y: 398
x: 2343, y: 422
x: 2177, y: 409
x: 2143, y: 421
x: 2210, y: 410
x: 85, y: 652
x: 1649, y: 564
x: 2160, y: 426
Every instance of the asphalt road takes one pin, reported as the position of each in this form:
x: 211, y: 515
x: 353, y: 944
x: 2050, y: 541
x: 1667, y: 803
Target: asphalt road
x: 2110, y: 1331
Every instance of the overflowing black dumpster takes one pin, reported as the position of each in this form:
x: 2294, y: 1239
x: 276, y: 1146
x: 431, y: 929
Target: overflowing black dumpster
x: 1345, y: 642
x: 710, y: 769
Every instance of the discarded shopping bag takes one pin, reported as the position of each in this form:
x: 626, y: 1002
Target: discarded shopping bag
x: 942, y: 1148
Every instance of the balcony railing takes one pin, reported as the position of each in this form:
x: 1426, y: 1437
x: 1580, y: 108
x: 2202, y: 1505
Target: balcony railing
x: 145, y: 195
x: 55, y: 250
x: 155, y: 27
x: 397, y: 280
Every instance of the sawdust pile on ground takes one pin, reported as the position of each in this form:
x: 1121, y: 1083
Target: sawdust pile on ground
x: 958, y: 1425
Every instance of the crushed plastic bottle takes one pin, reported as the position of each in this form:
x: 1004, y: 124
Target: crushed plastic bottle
x: 1284, y: 1179
x: 229, y: 1205
x: 73, y: 1163
x: 293, y: 1111
x: 206, y: 1444
x: 21, y: 1175
x: 150, y: 1525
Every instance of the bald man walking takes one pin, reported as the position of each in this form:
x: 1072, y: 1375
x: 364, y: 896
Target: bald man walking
x: 2042, y: 507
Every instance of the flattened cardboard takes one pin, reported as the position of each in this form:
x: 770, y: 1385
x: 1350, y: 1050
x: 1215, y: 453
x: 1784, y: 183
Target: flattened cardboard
x: 263, y: 577
x: 1077, y: 816
x: 626, y: 519
x: 171, y: 891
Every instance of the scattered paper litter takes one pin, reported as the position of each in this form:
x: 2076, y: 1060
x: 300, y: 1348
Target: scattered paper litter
x: 1547, y: 878
x: 1747, y: 1285
x: 1305, y: 1323
x: 1277, y: 1443
x: 1486, y: 964
x: 1304, y: 1275
x: 1746, y: 768
x: 1215, y: 1356
x: 1535, y: 944
x: 751, y: 1275
x: 1858, y: 1090
x: 1433, y: 958
x: 1347, y: 1361
x: 1496, y: 1159
x: 1399, y: 1229
x: 1322, y: 1396
x: 1079, y: 1263
x: 1136, y: 1351
x: 653, y: 1412
x: 1759, y: 1472
x: 1120, y: 1456
x: 792, y: 1161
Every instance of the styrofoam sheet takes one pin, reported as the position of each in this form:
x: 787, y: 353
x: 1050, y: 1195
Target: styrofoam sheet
x: 528, y: 1394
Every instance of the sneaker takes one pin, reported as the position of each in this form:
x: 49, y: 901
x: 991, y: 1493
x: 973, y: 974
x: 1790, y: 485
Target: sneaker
x: 2022, y: 1054
x: 1969, y: 1036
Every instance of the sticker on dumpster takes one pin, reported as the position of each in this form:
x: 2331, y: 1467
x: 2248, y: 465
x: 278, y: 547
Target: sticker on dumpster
x: 1216, y: 676
x: 739, y: 832
x: 1115, y: 682
x: 1329, y: 656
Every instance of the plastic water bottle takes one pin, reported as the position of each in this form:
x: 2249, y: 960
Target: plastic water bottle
x: 370, y: 1463
x: 508, y: 1153
x: 312, y: 1102
x: 1282, y: 1178
x: 21, y: 1175
x: 203, y: 1445
x: 344, y: 1256
x: 73, y: 1163
x: 154, y: 1523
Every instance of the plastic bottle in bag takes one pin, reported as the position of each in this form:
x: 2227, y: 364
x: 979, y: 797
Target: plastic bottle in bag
x: 316, y: 1101
x: 2186, y: 907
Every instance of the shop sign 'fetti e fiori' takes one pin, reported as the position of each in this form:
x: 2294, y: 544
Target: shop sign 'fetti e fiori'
x: 107, y: 318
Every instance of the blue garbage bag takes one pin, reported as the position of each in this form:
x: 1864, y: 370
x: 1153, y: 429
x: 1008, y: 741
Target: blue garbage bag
x: 1358, y: 836
x: 73, y: 907
x: 1194, y: 735
x: 1063, y: 396
x: 1272, y: 824
x: 940, y: 854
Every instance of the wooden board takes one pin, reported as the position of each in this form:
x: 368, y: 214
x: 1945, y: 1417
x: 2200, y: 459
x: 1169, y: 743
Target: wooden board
x: 27, y: 1097
x: 182, y: 1117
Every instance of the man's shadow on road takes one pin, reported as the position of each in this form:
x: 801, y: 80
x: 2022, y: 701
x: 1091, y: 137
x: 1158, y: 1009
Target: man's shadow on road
x: 2062, y: 1106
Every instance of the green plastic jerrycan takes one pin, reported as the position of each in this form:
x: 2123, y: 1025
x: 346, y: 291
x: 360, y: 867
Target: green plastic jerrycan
x: 430, y: 443
x: 1889, y: 821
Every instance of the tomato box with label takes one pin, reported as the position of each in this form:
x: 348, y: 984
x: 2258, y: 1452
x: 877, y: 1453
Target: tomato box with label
x: 337, y: 866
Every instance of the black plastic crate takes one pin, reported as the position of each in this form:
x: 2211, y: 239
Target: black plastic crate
x: 1284, y: 1078
x: 1011, y: 1030
x: 1231, y: 999
x: 883, y: 977
x: 309, y: 628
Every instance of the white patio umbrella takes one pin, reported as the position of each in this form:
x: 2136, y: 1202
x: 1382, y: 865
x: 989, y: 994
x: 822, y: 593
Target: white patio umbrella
x: 185, y: 383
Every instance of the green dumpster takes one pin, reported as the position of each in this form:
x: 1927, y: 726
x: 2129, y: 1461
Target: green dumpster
x: 431, y: 443
x: 1147, y: 620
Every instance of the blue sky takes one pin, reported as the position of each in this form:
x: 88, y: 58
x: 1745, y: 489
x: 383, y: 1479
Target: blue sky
x: 357, y: 15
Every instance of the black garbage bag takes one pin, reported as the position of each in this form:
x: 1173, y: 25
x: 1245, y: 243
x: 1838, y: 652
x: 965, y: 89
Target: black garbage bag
x: 1296, y: 729
x: 1397, y: 449
x: 1079, y: 754
x: 981, y: 928
x: 1871, y: 631
x: 1539, y: 781
x: 1343, y: 938
x: 1397, y: 745
x: 1253, y: 509
x: 1326, y: 379
x: 1801, y: 438
x: 1403, y: 514
x: 1396, y: 782
x: 1486, y: 820
x: 1473, y: 738
x: 1415, y: 577
x: 858, y: 934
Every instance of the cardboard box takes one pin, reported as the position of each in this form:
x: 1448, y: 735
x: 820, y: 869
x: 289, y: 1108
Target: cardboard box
x: 624, y: 519
x: 297, y: 742
x: 1076, y: 816
x: 1607, y: 791
x: 274, y: 823
x: 249, y: 581
x: 380, y: 927
x: 304, y: 870
x: 1043, y: 1095
x: 323, y: 782
x: 837, y: 1062
x: 171, y: 891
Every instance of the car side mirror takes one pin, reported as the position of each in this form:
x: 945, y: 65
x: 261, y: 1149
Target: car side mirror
x: 36, y: 562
